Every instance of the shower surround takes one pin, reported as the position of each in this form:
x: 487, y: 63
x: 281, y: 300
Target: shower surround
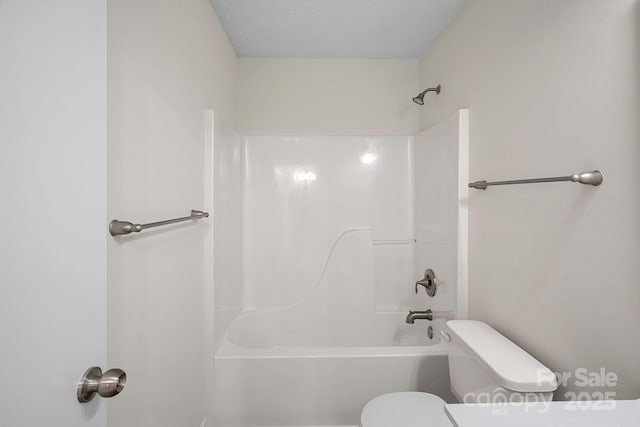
x: 334, y: 237
x: 303, y: 193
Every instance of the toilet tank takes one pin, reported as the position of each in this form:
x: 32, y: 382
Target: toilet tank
x: 486, y: 367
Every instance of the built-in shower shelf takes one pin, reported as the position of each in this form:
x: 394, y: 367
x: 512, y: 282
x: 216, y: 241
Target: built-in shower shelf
x: 394, y: 242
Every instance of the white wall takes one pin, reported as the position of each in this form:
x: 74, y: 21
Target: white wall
x: 53, y: 196
x: 321, y: 97
x: 228, y: 189
x: 553, y: 88
x: 440, y: 212
x: 168, y: 62
x: 303, y: 193
x: 279, y: 96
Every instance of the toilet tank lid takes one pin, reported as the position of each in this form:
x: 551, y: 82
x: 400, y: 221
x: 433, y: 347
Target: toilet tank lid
x: 512, y: 367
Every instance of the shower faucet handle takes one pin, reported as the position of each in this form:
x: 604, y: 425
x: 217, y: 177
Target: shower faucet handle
x: 429, y: 282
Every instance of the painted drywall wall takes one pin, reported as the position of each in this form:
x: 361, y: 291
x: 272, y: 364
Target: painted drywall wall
x: 327, y: 96
x: 167, y: 63
x: 53, y: 185
x: 553, y: 89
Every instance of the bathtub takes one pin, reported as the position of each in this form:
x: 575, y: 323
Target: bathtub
x: 276, y: 369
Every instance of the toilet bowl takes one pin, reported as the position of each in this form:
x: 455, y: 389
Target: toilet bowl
x: 484, y: 366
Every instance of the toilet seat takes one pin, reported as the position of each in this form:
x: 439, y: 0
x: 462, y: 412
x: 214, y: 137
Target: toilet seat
x: 406, y: 409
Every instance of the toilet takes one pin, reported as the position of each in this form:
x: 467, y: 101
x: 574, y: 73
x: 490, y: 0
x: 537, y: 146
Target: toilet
x: 484, y: 366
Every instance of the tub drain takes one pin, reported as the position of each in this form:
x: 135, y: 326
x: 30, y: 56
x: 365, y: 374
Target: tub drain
x: 430, y: 332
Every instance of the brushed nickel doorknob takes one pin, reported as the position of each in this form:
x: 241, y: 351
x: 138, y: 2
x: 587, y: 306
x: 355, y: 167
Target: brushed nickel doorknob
x: 94, y: 381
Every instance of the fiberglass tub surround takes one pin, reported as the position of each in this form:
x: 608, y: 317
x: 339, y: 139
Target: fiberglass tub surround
x: 337, y: 230
x: 339, y: 311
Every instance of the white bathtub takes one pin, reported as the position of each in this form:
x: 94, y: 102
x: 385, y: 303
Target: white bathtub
x: 275, y: 369
x: 303, y: 327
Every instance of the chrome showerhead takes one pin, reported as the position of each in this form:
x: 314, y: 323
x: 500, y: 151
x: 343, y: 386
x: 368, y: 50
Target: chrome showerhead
x: 420, y: 98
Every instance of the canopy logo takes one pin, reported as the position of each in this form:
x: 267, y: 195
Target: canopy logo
x: 588, y: 388
x: 587, y: 391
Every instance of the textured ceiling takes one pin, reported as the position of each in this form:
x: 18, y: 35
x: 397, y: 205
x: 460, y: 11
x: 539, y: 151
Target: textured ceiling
x: 334, y: 28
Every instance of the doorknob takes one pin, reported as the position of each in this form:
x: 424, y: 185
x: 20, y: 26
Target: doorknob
x: 94, y: 381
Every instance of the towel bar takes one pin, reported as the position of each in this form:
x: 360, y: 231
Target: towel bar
x: 119, y: 228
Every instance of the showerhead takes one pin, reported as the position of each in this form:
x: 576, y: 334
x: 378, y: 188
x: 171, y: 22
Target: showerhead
x: 420, y: 98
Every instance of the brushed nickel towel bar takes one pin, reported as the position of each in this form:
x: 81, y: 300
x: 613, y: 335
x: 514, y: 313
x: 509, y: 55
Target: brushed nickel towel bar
x: 594, y: 178
x: 119, y: 228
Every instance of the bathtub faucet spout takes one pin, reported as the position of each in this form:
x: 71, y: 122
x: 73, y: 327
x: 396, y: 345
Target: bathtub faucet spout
x: 414, y: 315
